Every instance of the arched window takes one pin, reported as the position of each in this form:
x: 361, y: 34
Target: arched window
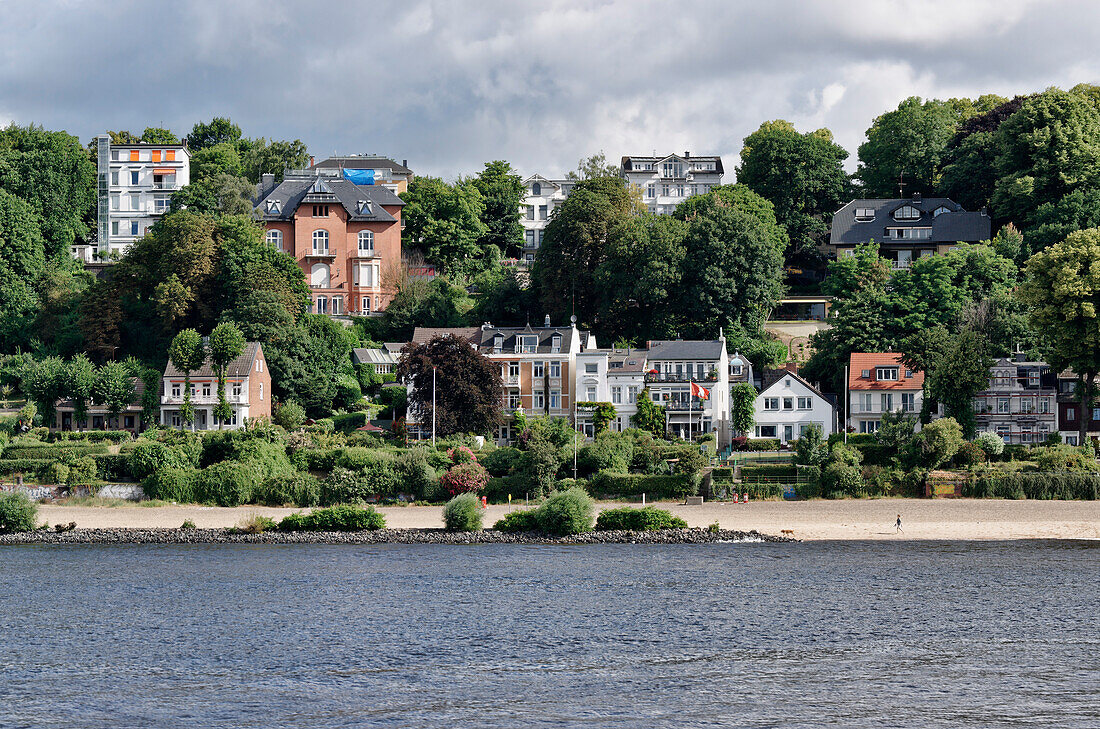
x: 536, y: 188
x: 275, y: 239
x: 366, y: 243
x: 906, y: 212
x: 320, y: 242
x: 318, y: 276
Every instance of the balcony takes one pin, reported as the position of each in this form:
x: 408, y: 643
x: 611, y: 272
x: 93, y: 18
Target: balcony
x: 679, y: 377
x: 511, y: 380
x: 321, y: 253
x: 678, y: 406
x: 200, y: 400
x: 165, y: 185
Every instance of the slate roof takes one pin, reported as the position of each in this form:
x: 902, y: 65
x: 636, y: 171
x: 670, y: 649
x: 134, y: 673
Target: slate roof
x: 370, y: 355
x: 686, y: 349
x: 237, y: 369
x: 362, y: 162
x: 422, y: 335
x: 782, y: 374
x: 626, y: 166
x: 949, y: 227
x: 297, y: 189
x: 545, y: 338
x: 869, y: 361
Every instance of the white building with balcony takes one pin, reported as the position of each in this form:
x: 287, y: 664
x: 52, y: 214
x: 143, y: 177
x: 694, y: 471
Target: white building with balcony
x: 879, y: 383
x: 247, y: 390
x: 667, y: 181
x: 787, y: 407
x: 616, y: 376
x: 678, y: 373
x: 135, y: 183
x: 543, y: 196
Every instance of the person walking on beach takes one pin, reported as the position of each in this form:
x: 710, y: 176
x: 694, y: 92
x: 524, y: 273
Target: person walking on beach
x: 899, y: 524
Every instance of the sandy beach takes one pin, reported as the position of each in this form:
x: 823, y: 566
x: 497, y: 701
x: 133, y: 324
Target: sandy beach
x: 963, y: 519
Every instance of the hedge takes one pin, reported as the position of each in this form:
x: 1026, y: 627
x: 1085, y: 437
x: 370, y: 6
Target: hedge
x: 171, y: 484
x: 348, y: 422
x: 605, y: 484
x: 721, y: 475
x: 646, y: 519
x: 334, y: 519
x: 56, y: 451
x: 853, y: 438
x: 111, y: 466
x: 762, y: 444
x: 874, y: 454
x: 24, y: 465
x: 94, y: 436
x: 768, y: 472
x: 1069, y: 486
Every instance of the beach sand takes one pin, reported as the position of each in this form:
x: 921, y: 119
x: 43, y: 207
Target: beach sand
x: 964, y: 519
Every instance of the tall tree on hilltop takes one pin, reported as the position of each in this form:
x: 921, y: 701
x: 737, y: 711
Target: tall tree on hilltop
x: 468, y: 388
x: 591, y: 168
x: 443, y: 221
x: 502, y: 192
x: 218, y: 130
x: 22, y: 264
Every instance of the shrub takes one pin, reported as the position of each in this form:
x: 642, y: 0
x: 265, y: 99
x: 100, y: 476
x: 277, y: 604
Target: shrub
x: 762, y: 444
x: 875, y: 454
x: 610, y: 451
x: 415, y: 474
x: 464, y: 478
x: 254, y: 524
x: 634, y: 484
x: 171, y: 484
x: 315, y: 459
x: 648, y: 518
x: 991, y: 443
x: 348, y: 392
x: 969, y: 454
x: 939, y: 441
x: 228, y: 483
x: 344, y: 486
x: 33, y: 466
x: 525, y: 520
x: 566, y: 512
x: 1064, y: 458
x: 335, y: 519
x: 842, y: 479
x: 289, y: 415
x: 299, y: 489
x: 82, y: 471
x: 810, y: 448
x: 95, y: 436
x: 57, y: 451
x: 17, y: 513
x: 357, y: 459
x: 111, y: 467
x: 148, y: 456
x: 721, y: 474
x: 461, y: 454
x: 188, y: 524
x: 56, y: 473
x: 847, y: 455
x: 501, y: 461
x: 463, y: 514
x: 348, y: 422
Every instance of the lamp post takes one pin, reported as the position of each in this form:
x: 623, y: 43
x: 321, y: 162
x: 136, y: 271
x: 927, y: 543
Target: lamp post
x: 433, y: 406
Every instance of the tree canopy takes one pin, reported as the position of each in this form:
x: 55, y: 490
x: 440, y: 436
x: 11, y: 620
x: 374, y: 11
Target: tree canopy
x: 468, y: 390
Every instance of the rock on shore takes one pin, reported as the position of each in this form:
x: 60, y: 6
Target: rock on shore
x: 382, y: 536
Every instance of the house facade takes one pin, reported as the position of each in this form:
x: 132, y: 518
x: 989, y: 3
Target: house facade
x: 613, y: 375
x: 370, y: 169
x: 135, y: 183
x: 879, y: 383
x: 906, y: 229
x: 543, y: 196
x: 666, y: 181
x: 130, y: 418
x: 674, y: 373
x: 1069, y: 410
x: 788, y: 406
x: 345, y: 236
x: 1020, y: 404
x: 247, y: 389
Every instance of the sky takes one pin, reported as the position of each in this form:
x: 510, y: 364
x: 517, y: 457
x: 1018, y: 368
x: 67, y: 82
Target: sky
x: 449, y: 85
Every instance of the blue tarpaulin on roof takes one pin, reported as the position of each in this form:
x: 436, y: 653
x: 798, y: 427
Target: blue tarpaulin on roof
x: 359, y: 177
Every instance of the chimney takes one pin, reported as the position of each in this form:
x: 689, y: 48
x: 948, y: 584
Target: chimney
x: 1020, y: 356
x: 916, y: 198
x: 547, y: 321
x: 687, y: 155
x: 311, y: 160
x: 267, y: 181
x: 404, y: 163
x: 985, y: 211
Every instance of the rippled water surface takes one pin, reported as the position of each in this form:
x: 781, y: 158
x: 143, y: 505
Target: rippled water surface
x: 843, y: 634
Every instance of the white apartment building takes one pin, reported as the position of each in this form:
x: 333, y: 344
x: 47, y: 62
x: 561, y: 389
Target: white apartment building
x: 135, y: 183
x: 674, y: 369
x: 790, y: 405
x: 879, y: 383
x: 543, y: 196
x: 667, y: 181
x: 616, y: 376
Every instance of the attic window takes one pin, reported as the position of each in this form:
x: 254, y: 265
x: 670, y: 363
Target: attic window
x: 555, y: 344
x: 940, y: 211
x: 273, y: 207
x: 886, y: 373
x: 536, y: 188
x: 865, y: 214
x: 498, y: 343
x: 364, y: 207
x: 865, y: 373
x: 907, y: 212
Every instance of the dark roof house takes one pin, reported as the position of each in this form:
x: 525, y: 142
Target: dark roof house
x: 913, y: 222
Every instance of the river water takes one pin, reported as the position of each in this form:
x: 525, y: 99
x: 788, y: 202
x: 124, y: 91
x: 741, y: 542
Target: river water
x: 903, y: 634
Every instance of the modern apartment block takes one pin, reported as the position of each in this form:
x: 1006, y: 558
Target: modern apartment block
x: 906, y: 229
x: 543, y: 195
x: 370, y: 169
x: 879, y: 383
x: 344, y: 235
x: 1020, y: 404
x: 667, y: 181
x: 135, y: 183
x: 247, y: 389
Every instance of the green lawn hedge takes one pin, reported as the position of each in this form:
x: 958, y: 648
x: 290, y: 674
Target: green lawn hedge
x: 55, y: 451
x: 94, y: 436
x: 1054, y: 485
x: 111, y: 466
x: 768, y: 473
x: 31, y: 466
x: 605, y: 484
x: 648, y: 518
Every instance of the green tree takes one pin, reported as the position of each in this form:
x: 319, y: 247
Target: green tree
x: 742, y: 408
x: 22, y: 264
x: 468, y: 390
x: 44, y: 381
x: 226, y: 344
x: 156, y: 135
x: 260, y: 156
x: 1062, y: 289
x: 52, y: 172
x: 811, y: 448
x: 502, y: 192
x: 969, y: 161
x: 443, y: 221
x: 649, y: 416
x: 593, y: 167
x: 216, y: 194
x: 435, y: 303
x: 188, y: 354
x: 218, y: 130
x: 114, y: 388
x: 939, y: 441
x: 502, y: 298
x: 80, y: 380
x: 219, y: 159
x: 802, y: 175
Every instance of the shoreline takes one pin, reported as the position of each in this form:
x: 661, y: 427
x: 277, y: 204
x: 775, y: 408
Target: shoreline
x: 816, y: 520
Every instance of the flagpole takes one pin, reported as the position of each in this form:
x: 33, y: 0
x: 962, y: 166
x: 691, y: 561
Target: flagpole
x: 691, y: 403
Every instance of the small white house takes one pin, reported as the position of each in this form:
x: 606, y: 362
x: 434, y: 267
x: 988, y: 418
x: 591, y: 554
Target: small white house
x: 788, y: 406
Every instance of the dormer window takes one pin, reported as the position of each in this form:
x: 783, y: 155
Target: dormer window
x: 888, y: 374
x: 907, y: 212
x: 273, y: 207
x: 555, y: 344
x: 527, y: 343
x: 940, y: 211
x: 498, y: 343
x: 536, y: 188
x: 364, y: 207
x: 865, y: 214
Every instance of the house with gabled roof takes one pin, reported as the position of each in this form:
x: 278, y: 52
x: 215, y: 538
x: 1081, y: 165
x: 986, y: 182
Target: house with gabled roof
x: 878, y: 383
x: 789, y: 405
x: 906, y: 229
x: 247, y: 390
x: 344, y: 234
x: 380, y: 170
x: 668, y: 180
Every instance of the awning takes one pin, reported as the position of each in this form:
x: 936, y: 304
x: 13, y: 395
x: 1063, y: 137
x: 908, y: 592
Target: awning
x: 164, y: 171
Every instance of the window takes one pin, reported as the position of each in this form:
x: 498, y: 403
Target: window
x: 206, y: 389
x: 498, y: 343
x: 273, y: 207
x: 115, y: 202
x: 114, y: 155
x: 177, y: 422
x: 908, y: 233
x: 1071, y: 414
x: 555, y: 344
x: 908, y: 373
x: 337, y: 306
x: 632, y: 394
x: 261, y: 391
x: 1027, y: 405
x: 771, y: 403
x: 555, y: 399
x: 908, y: 402
x: 114, y: 178
x: 365, y: 305
x: 865, y: 373
x: 886, y: 373
x: 591, y: 368
x: 320, y: 242
x: 155, y: 156
x: 513, y: 370
x: 679, y: 191
x: 1044, y: 405
x: 536, y: 188
x: 765, y: 431
x: 1004, y: 405
x: 538, y: 399
x: 555, y: 370
x: 114, y: 227
x: 1033, y: 378
x: 275, y: 239
x: 866, y: 402
x: 135, y: 202
x: 169, y: 155
x: 366, y: 243
x: 537, y: 369
x: 651, y: 191
x: 887, y: 402
x: 542, y: 212
x: 805, y: 403
x: 869, y: 426
x: 133, y: 227
x: 664, y: 190
x: 590, y: 393
x: 1096, y: 413
x: 527, y: 343
x: 128, y: 421
x: 617, y: 394
x: 865, y: 214
x: 788, y: 403
x: 175, y: 389
x: 530, y: 212
x: 940, y: 211
x: 907, y: 212
x: 529, y: 238
x: 364, y: 274
x: 320, y: 211
x: 161, y: 203
x: 322, y: 305
x: 135, y: 155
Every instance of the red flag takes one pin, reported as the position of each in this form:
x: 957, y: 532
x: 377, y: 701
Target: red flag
x: 700, y: 392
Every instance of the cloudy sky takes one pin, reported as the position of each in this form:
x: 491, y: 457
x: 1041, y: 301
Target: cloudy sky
x: 449, y: 85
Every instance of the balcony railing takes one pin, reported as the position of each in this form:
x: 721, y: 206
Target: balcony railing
x: 200, y: 399
x: 679, y: 377
x: 322, y: 253
x: 165, y: 185
x: 511, y: 379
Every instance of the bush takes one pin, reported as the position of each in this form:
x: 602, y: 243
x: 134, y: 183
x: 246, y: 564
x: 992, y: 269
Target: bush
x: 289, y: 415
x: 811, y: 487
x: 1065, y: 458
x: 721, y: 474
x: 315, y: 459
x: 463, y: 514
x: 842, y: 479
x: 609, y: 451
x: 648, y: 518
x: 254, y: 524
x: 334, y: 519
x: 357, y: 459
x: 95, y: 436
x: 30, y: 466
x: 82, y: 471
x: 460, y: 455
x: 111, y: 467
x: 846, y: 454
x: 519, y: 521
x: 299, y: 489
x: 501, y: 461
x: 606, y: 484
x: 188, y: 524
x: 348, y: 422
x: 56, y: 473
x: 344, y: 486
x: 875, y: 454
x: 348, y: 392
x: 969, y: 454
x: 991, y: 443
x: 56, y: 451
x: 566, y: 512
x: 17, y: 513
x: 228, y: 483
x: 464, y: 478
x: 762, y: 444
x: 171, y: 484
x: 149, y: 456
x: 810, y: 448
x: 939, y: 441
x: 415, y: 474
